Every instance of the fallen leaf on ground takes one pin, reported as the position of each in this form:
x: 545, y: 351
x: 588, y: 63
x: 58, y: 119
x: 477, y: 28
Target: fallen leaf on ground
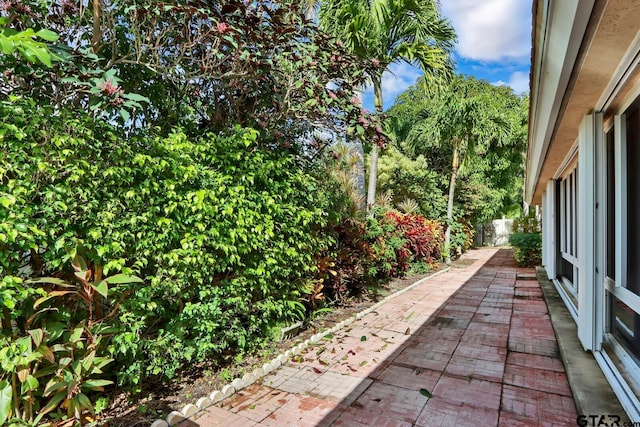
x: 425, y: 392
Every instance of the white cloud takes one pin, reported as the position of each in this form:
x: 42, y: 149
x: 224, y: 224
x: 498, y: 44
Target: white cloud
x: 395, y: 80
x: 518, y: 81
x: 491, y: 30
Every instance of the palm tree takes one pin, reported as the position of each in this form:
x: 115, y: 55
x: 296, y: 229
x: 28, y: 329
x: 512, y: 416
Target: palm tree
x: 387, y: 32
x: 463, y: 118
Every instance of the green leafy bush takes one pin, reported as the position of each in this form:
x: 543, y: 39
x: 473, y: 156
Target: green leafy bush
x: 528, y: 248
x: 53, y: 360
x: 528, y: 223
x: 222, y: 229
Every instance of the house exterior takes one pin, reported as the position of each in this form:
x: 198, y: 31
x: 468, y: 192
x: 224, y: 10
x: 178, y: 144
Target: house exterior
x: 583, y: 168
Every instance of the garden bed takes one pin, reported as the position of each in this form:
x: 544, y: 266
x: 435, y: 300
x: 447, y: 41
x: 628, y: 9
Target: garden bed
x: 157, y: 400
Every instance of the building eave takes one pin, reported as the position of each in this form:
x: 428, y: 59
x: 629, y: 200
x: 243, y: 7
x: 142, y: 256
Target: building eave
x: 558, y: 32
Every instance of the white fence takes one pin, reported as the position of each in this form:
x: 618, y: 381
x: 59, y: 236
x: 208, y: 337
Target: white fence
x: 494, y: 233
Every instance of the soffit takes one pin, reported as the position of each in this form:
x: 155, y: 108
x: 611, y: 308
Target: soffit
x: 612, y: 29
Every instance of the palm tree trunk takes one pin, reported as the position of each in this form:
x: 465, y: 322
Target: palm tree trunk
x: 373, y: 168
x: 452, y: 190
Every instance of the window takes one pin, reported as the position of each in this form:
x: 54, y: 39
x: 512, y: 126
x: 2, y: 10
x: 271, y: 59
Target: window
x: 622, y: 281
x: 633, y: 201
x: 568, y: 203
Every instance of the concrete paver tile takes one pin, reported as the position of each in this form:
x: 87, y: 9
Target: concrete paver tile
x: 256, y: 402
x: 528, y: 293
x: 391, y: 401
x: 537, y: 379
x: 439, y: 412
x: 443, y: 345
x: 436, y: 333
x: 499, y: 315
x: 538, y: 407
x: 481, y: 352
x: 450, y: 322
x: 216, y: 417
x: 418, y: 358
x: 355, y: 418
x: 527, y: 283
x: 410, y: 378
x: 529, y: 306
x: 474, y: 392
x: 304, y: 411
x: 475, y: 368
x: 543, y: 347
x: 535, y: 361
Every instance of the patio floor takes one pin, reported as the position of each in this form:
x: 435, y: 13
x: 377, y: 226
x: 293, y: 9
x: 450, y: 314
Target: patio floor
x: 473, y: 346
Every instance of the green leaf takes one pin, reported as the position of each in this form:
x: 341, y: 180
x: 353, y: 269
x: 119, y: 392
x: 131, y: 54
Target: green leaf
x: 96, y: 385
x: 41, y: 53
x: 53, y: 403
x: 70, y: 79
x: 52, y: 294
x: 53, y: 385
x: 76, y: 334
x: 85, y: 403
x: 31, y: 383
x: 123, y: 278
x: 6, y: 395
x: 47, y: 35
x: 135, y: 97
x: 363, y: 338
x: 6, y: 45
x: 110, y: 74
x: 37, y: 336
x: 101, y: 287
x: 425, y: 392
x: 124, y: 114
x: 50, y: 280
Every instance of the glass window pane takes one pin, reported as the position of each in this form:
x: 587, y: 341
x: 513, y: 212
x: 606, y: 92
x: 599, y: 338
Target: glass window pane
x: 611, y: 206
x: 625, y: 325
x: 633, y: 202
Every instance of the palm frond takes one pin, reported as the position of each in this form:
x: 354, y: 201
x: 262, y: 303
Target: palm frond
x: 409, y: 206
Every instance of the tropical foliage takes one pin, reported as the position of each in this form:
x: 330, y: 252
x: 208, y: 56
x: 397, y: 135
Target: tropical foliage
x: 384, y: 32
x: 168, y: 196
x: 472, y: 135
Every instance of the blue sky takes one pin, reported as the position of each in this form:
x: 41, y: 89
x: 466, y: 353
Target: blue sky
x: 494, y: 43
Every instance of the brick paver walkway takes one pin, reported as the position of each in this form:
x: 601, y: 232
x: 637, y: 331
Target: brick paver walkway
x: 473, y: 346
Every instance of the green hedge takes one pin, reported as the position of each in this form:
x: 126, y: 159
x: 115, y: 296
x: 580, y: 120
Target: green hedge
x: 222, y: 230
x: 527, y: 248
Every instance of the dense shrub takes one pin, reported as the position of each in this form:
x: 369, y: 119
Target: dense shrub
x: 368, y: 252
x: 221, y: 230
x: 423, y: 238
x: 527, y: 248
x: 527, y: 240
x: 528, y: 223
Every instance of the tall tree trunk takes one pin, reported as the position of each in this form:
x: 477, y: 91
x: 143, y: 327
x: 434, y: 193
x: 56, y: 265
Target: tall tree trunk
x: 452, y: 190
x: 97, y: 33
x: 373, y: 168
x: 361, y: 170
